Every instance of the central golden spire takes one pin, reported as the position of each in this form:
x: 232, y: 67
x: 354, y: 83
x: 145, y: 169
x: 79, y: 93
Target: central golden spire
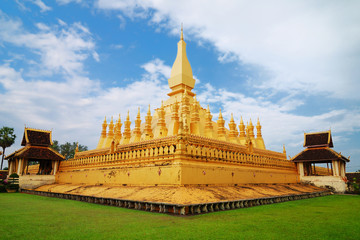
x: 181, y: 77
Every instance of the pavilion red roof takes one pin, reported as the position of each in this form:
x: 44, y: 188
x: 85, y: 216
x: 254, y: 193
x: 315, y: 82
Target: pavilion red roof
x: 318, y: 139
x: 37, y: 153
x: 36, y: 137
x: 323, y: 154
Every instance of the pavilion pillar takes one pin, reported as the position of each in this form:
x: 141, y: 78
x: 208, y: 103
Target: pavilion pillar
x: 25, y: 164
x: 19, y: 168
x: 342, y: 169
x: 55, y: 167
x: 336, y: 168
x: 301, y: 169
x: 11, y: 167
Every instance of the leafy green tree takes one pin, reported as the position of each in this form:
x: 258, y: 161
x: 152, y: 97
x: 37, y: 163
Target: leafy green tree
x: 56, y: 146
x: 7, y: 138
x: 68, y: 149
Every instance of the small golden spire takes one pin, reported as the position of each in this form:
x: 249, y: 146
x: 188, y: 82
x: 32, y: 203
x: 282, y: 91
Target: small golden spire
x: 258, y: 129
x: 242, y: 128
x: 182, y: 35
x: 233, y: 133
x: 138, y: 114
x: 128, y: 116
x: 149, y: 111
x: 221, y: 129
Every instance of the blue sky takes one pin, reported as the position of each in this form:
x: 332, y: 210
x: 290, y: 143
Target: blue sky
x: 64, y: 65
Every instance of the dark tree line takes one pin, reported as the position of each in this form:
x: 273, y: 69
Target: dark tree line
x: 67, y: 149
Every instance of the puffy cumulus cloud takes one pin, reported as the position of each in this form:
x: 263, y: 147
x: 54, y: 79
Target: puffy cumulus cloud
x: 280, y: 124
x: 303, y: 46
x: 62, y: 48
x: 156, y: 69
x: 75, y: 107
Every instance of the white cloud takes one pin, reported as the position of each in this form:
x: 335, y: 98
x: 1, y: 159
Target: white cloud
x: 156, y: 69
x: 63, y: 2
x: 122, y: 21
x: 117, y: 46
x: 280, y: 125
x: 41, y: 5
x: 131, y: 8
x: 306, y: 46
x: 62, y: 49
x: 76, y: 105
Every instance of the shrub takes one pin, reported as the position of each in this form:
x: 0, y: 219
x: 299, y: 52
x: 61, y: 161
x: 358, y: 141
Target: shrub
x: 355, y: 186
x: 13, y: 182
x: 14, y: 175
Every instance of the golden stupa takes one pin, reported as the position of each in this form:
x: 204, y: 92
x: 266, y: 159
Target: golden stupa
x: 179, y: 144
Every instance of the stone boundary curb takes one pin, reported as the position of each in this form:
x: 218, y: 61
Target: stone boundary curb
x: 180, y: 209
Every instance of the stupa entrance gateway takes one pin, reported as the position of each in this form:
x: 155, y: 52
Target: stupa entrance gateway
x: 179, y: 160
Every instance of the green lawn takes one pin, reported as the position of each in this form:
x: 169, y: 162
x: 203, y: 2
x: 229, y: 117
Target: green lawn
x: 34, y: 217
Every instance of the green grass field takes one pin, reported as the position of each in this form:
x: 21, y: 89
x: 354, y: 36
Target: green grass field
x: 34, y: 217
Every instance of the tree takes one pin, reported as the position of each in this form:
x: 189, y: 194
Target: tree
x: 67, y: 149
x: 55, y: 146
x: 7, y: 138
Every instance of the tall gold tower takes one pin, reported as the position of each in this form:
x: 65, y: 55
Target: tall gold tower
x: 179, y: 144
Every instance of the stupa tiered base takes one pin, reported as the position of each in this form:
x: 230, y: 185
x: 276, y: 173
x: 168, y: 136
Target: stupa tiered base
x: 182, y: 200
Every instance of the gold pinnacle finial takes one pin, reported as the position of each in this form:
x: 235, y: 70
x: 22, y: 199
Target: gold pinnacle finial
x: 138, y: 114
x: 220, y: 114
x: 181, y: 72
x: 149, y: 111
x: 128, y: 116
x: 182, y: 35
x: 232, y: 117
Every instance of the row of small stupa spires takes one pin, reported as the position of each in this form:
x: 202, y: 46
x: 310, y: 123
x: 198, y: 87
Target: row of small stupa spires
x: 114, y: 133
